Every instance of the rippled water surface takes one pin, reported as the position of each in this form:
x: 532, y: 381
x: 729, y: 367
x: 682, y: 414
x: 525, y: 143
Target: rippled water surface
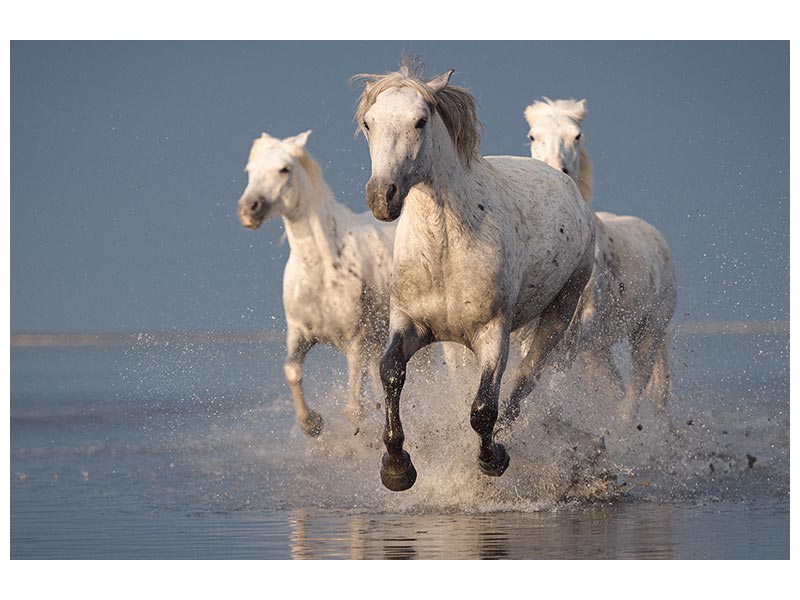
x: 187, y: 449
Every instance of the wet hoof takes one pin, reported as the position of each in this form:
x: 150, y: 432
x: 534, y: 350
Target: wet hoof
x: 497, y: 464
x: 312, y: 425
x: 398, y: 474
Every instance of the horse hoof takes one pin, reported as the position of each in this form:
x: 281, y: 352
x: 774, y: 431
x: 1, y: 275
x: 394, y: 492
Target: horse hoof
x: 312, y: 425
x: 398, y: 474
x: 498, y: 463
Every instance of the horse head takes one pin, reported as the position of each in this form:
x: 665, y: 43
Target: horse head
x: 556, y: 138
x: 407, y: 121
x: 277, y: 179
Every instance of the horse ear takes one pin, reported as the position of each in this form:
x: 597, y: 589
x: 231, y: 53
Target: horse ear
x: 299, y: 140
x: 437, y: 84
x: 582, y: 109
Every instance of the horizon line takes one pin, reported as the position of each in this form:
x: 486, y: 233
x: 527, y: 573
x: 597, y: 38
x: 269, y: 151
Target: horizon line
x: 55, y: 339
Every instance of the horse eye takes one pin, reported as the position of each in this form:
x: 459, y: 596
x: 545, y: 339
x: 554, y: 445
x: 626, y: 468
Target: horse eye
x: 421, y: 123
x: 284, y: 170
x: 577, y: 137
x: 531, y: 137
x: 365, y: 125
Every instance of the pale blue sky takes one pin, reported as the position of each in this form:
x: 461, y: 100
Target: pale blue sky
x: 127, y: 158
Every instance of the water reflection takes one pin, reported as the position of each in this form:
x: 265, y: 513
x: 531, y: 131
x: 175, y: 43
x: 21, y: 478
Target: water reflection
x: 601, y: 532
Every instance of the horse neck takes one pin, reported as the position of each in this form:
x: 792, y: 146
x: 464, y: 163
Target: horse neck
x: 312, y: 229
x: 445, y: 200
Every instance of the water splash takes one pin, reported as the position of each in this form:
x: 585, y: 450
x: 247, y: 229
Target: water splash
x: 210, y: 426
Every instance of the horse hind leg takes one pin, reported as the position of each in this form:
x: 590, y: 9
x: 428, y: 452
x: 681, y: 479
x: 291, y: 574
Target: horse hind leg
x: 527, y: 373
x: 297, y: 346
x: 560, y: 319
x: 602, y: 369
x: 357, y: 370
x: 374, y: 371
x: 456, y: 358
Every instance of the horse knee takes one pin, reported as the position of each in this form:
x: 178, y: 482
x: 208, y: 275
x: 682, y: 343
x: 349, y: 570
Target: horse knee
x: 482, y: 418
x: 392, y: 372
x: 293, y: 371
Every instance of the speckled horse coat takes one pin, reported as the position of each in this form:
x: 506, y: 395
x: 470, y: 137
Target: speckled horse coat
x: 484, y: 246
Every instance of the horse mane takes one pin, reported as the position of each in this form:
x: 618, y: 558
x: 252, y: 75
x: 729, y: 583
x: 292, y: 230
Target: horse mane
x: 267, y: 142
x: 577, y: 111
x: 454, y: 104
x: 574, y: 109
x: 585, y: 177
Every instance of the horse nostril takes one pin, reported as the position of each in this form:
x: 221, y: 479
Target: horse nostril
x: 391, y: 191
x: 254, y: 205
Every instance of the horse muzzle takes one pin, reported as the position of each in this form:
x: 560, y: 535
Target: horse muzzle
x: 384, y: 200
x: 252, y: 211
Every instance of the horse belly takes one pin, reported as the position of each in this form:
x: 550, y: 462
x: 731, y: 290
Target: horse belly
x: 635, y: 277
x: 562, y: 248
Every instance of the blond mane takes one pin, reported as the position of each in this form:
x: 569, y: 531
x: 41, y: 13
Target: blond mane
x: 454, y: 104
x: 266, y: 142
x: 577, y: 111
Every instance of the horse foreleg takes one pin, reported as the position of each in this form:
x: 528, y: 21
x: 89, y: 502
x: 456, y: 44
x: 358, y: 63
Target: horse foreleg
x: 297, y: 346
x: 530, y: 368
x: 397, y: 471
x: 553, y: 324
x: 645, y: 343
x: 374, y: 370
x: 491, y: 349
x: 601, y: 367
x: 660, y: 380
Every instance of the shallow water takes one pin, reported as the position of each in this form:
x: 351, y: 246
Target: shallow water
x: 187, y: 449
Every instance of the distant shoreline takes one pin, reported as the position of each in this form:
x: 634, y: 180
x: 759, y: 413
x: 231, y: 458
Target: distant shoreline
x: 44, y: 340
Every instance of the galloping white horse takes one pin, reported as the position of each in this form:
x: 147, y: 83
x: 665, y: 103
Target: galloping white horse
x: 484, y: 246
x: 336, y: 281
x: 633, y: 289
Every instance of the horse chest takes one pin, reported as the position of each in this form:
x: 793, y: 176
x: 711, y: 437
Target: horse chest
x: 451, y: 300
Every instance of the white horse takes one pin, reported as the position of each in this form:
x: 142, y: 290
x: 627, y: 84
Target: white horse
x: 336, y: 281
x: 484, y: 246
x: 633, y: 289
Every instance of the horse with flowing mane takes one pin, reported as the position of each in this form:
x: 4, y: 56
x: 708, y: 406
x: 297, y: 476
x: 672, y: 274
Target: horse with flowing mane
x: 484, y: 246
x: 633, y: 289
x: 336, y: 281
